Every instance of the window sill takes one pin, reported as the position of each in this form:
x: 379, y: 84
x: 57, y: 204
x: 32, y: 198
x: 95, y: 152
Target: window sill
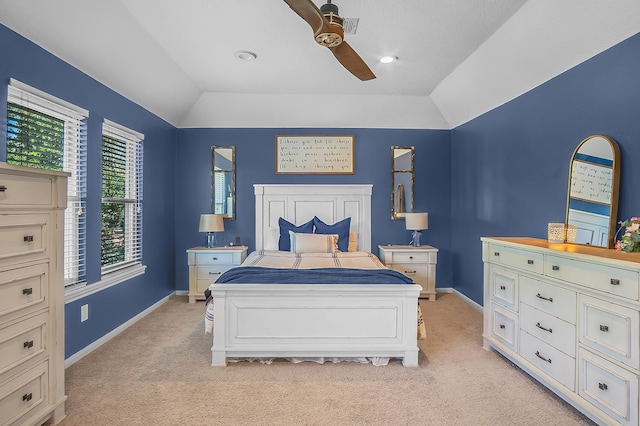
x: 108, y: 280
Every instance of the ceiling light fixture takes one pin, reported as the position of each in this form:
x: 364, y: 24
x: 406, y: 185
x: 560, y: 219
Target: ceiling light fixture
x: 388, y: 59
x: 245, y: 55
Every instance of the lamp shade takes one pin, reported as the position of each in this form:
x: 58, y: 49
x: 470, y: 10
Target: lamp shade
x: 416, y: 221
x: 211, y: 223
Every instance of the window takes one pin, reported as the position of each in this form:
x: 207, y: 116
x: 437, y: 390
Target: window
x: 121, y: 241
x: 48, y: 133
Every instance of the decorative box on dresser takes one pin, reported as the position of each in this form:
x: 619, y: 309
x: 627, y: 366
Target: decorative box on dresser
x: 207, y: 264
x: 418, y: 263
x: 32, y: 204
x: 569, y: 315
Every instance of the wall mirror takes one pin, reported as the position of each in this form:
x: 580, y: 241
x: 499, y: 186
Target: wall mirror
x: 592, y: 197
x: 402, y: 181
x: 223, y: 181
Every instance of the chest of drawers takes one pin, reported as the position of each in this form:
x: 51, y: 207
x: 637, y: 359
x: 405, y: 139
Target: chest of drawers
x: 568, y: 315
x: 32, y: 204
x: 418, y: 263
x: 207, y: 264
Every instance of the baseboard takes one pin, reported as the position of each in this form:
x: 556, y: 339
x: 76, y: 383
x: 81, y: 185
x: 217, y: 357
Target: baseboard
x: 182, y: 292
x: 472, y: 303
x: 104, y: 339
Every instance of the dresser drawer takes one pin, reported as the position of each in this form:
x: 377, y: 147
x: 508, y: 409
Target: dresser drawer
x: 23, y: 237
x: 418, y: 272
x: 560, y: 366
x: 22, y: 341
x: 505, y: 327
x: 409, y: 257
x: 549, y: 298
x: 611, y: 329
x: 24, y: 395
x: 521, y: 259
x: 614, y: 280
x: 504, y: 286
x: 612, y: 389
x: 552, y: 330
x: 23, y: 290
x: 214, y: 258
x: 24, y: 191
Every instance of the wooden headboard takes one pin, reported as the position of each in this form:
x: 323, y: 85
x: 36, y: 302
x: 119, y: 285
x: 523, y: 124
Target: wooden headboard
x: 299, y: 203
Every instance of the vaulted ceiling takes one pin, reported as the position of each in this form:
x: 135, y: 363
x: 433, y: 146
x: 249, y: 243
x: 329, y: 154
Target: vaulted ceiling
x: 456, y: 58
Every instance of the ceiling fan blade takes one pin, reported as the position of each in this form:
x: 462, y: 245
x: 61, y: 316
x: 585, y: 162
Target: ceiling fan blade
x: 308, y: 11
x: 352, y: 61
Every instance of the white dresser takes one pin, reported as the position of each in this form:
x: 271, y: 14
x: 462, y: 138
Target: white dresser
x: 418, y: 263
x: 32, y: 204
x: 569, y: 315
x: 207, y: 264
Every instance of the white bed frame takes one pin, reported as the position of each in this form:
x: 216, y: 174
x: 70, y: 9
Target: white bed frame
x: 302, y: 320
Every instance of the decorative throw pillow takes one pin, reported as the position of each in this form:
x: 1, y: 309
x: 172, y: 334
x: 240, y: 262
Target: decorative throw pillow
x: 353, y: 241
x: 341, y: 228
x: 313, y: 243
x: 284, y: 243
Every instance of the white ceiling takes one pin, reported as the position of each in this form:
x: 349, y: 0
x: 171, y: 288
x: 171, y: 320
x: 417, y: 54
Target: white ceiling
x: 457, y: 58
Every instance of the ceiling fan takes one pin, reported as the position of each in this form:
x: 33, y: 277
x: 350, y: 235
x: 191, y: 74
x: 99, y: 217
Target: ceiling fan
x: 327, y: 31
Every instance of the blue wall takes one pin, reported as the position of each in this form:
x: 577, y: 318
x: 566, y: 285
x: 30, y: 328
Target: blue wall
x: 255, y: 163
x: 510, y: 165
x: 110, y: 308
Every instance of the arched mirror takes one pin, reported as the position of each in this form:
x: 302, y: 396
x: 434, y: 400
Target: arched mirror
x: 223, y: 181
x: 402, y: 181
x: 592, y: 197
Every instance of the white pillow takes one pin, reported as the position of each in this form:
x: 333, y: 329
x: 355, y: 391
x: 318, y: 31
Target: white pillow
x: 313, y: 243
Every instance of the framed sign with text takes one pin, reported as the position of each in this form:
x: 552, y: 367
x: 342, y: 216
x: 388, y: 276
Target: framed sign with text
x: 321, y: 154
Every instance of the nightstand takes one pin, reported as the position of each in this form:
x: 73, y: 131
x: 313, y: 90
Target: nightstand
x: 418, y: 263
x: 207, y: 264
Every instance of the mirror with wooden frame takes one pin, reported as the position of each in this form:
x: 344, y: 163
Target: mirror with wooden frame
x: 402, y: 181
x: 592, y: 196
x: 223, y: 181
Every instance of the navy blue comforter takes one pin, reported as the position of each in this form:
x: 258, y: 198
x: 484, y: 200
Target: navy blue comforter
x: 261, y: 275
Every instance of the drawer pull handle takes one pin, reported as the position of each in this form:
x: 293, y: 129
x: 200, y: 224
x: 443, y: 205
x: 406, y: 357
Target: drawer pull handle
x: 28, y: 238
x: 27, y: 291
x: 555, y: 268
x: 529, y: 262
x: 549, y: 330
x: 502, y: 287
x: 27, y: 397
x: 543, y: 358
x: 3, y: 188
x: 604, y: 328
x: 615, y: 281
x: 411, y: 257
x: 215, y: 258
x: 215, y: 273
x: 548, y: 299
x: 409, y: 272
x: 496, y: 253
x: 603, y: 386
x: 503, y: 326
x: 28, y: 344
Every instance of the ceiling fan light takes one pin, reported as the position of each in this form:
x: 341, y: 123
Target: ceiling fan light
x: 388, y: 59
x: 245, y: 55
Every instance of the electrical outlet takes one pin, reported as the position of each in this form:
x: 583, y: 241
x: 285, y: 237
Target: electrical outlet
x: 84, y: 313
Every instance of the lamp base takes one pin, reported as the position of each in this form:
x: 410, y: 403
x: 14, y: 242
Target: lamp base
x: 210, y: 240
x: 416, y: 239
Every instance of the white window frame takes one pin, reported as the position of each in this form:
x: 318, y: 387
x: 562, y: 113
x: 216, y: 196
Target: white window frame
x: 74, y: 162
x: 132, y: 264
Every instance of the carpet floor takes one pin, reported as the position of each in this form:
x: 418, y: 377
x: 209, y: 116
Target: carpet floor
x: 157, y: 372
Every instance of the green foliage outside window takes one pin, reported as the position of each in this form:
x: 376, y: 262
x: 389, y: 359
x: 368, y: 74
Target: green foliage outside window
x: 114, y: 168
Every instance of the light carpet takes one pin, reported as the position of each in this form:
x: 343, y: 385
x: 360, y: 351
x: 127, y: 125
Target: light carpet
x: 157, y: 372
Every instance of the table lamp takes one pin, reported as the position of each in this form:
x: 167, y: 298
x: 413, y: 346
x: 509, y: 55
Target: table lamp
x: 211, y: 223
x: 416, y: 222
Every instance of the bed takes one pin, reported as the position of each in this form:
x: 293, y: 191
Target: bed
x: 304, y: 320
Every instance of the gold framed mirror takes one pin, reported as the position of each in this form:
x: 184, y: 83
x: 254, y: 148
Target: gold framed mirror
x: 592, y: 196
x: 402, y: 161
x: 223, y: 181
